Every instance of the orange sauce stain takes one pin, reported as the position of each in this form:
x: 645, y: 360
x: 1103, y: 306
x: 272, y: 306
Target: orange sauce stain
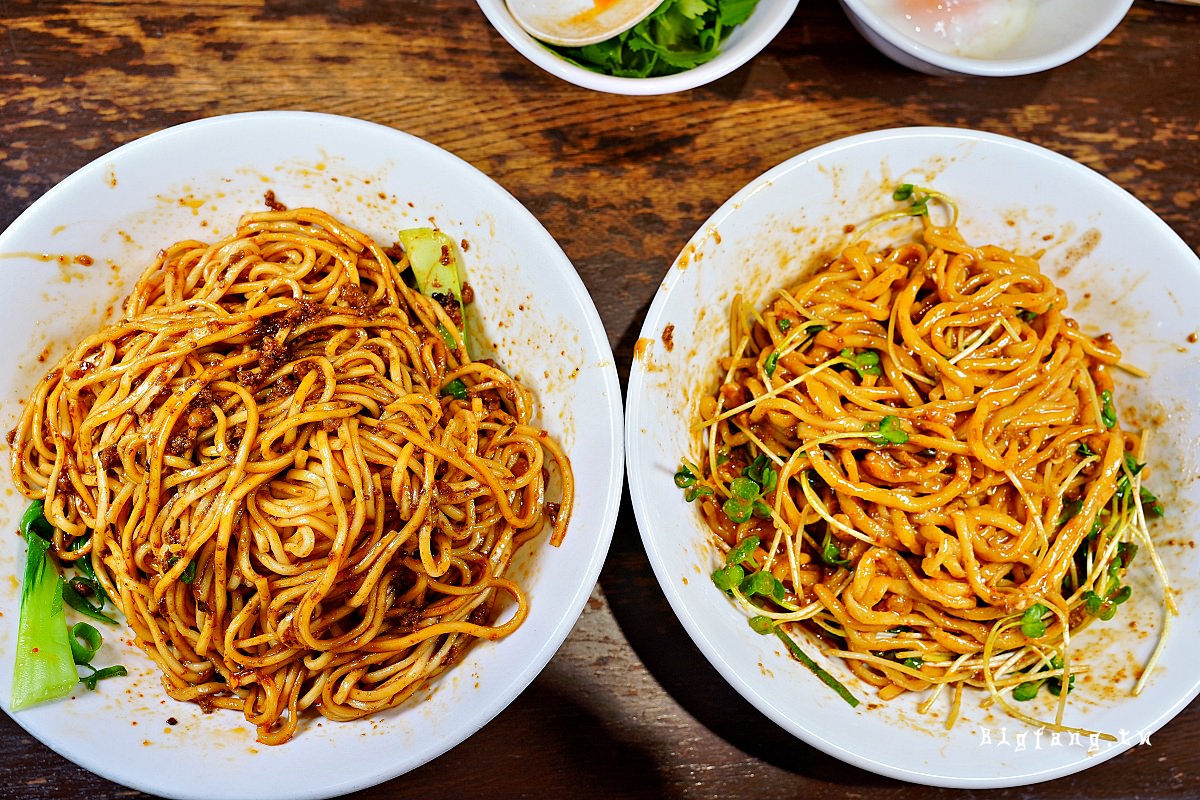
x: 598, y: 8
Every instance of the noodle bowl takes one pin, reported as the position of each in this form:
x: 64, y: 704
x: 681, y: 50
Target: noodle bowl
x: 915, y: 456
x: 290, y: 476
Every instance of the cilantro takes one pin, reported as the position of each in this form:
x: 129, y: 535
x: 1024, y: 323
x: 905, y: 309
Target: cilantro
x: 677, y: 36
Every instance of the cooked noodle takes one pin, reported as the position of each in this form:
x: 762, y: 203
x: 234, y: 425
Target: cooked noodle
x: 261, y: 462
x: 921, y: 450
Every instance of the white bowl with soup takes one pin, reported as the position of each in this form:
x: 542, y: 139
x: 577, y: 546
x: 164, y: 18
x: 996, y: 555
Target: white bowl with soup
x: 993, y: 38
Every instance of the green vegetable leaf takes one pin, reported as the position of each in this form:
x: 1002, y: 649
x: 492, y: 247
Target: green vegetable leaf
x: 771, y: 362
x: 44, y: 668
x: 729, y: 578
x: 85, y: 642
x: 74, y: 596
x: 762, y: 473
x: 1033, y: 624
x: 98, y: 675
x: 825, y: 677
x: 437, y: 267
x: 1026, y: 691
x: 889, y: 432
x: 684, y: 477
x: 1108, y: 414
x: 744, y: 552
x: 864, y: 363
x: 457, y: 389
x: 677, y: 36
x: 830, y: 553
x: 1151, y: 505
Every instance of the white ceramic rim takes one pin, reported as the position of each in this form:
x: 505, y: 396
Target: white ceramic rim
x: 991, y: 68
x: 742, y: 46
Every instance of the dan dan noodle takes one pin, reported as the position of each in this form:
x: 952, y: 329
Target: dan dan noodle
x: 914, y: 456
x: 290, y: 476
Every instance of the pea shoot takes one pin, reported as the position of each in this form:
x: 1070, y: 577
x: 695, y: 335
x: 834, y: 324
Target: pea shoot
x: 746, y: 491
x: 1108, y: 414
x: 687, y: 480
x: 1028, y: 690
x: 887, y: 432
x: 1033, y: 623
x: 456, y: 389
x: 771, y: 363
x: 1103, y: 604
x: 830, y: 553
x: 864, y: 363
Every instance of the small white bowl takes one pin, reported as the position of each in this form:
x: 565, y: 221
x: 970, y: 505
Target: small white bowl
x: 1060, y: 31
x: 743, y: 43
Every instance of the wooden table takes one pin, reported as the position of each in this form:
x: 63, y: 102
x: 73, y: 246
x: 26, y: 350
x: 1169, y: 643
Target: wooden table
x: 628, y: 707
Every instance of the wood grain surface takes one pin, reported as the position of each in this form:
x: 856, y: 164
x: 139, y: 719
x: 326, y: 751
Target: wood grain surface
x: 628, y: 708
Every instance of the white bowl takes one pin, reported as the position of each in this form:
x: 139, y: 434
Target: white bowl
x: 743, y: 44
x: 1124, y: 271
x: 1059, y: 31
x: 194, y: 181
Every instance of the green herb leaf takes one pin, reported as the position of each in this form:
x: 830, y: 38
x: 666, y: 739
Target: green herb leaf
x: 44, y: 668
x: 738, y: 510
x: 677, y: 36
x: 889, y: 432
x: 456, y: 389
x: 759, y: 583
x: 1151, y: 505
x: 864, y: 363
x: 771, y: 362
x: 1108, y: 414
x: 903, y: 192
x: 729, y: 578
x: 1026, y: 691
x: 744, y: 488
x: 98, y: 675
x: 1032, y: 622
x: 761, y: 624
x: 744, y: 552
x: 684, y: 478
x: 830, y: 553
x: 73, y: 595
x: 85, y: 642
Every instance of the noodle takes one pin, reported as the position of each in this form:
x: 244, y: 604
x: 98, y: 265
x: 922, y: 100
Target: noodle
x: 915, y: 457
x: 265, y: 467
